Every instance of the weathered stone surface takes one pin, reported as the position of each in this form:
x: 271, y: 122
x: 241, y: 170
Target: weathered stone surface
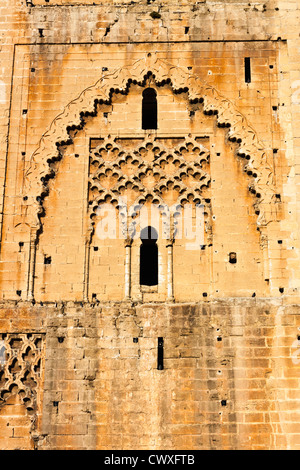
x: 78, y: 333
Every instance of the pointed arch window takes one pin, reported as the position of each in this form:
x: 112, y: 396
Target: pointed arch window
x: 149, y: 109
x: 149, y: 257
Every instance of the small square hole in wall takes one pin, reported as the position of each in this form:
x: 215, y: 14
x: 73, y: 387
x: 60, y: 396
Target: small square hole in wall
x: 47, y: 259
x: 232, y: 258
x: 96, y: 248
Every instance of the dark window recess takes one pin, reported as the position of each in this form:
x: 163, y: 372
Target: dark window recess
x: 160, y: 353
x: 247, y: 70
x: 149, y: 109
x: 47, y: 259
x: 149, y: 257
x: 232, y: 258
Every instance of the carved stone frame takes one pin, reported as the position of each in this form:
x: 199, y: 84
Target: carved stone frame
x: 259, y: 164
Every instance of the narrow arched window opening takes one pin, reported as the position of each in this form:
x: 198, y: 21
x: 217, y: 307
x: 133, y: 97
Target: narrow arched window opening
x: 149, y: 109
x: 149, y: 257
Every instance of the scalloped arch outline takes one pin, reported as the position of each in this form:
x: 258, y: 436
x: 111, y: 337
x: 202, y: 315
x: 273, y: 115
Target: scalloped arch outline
x: 259, y: 163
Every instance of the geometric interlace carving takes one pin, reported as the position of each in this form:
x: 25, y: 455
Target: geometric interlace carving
x: 20, y: 367
x: 150, y: 169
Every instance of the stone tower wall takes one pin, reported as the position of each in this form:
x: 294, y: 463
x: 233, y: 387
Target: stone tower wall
x: 78, y: 333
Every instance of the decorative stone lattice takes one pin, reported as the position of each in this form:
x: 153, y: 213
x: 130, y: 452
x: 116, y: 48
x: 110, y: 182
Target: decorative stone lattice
x: 20, y: 368
x: 150, y: 171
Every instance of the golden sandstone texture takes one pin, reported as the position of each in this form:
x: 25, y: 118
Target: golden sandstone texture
x: 174, y: 119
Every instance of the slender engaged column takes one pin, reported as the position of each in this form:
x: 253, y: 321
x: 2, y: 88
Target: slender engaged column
x: 170, y: 273
x: 31, y: 270
x: 86, y: 271
x: 127, y: 271
x: 264, y: 243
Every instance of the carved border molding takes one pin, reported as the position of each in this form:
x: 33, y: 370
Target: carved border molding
x: 259, y: 164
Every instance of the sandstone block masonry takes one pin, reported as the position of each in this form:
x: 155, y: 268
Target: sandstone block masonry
x: 138, y: 108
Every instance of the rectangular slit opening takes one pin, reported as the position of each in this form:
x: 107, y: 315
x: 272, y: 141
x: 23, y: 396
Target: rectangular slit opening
x: 160, y: 353
x: 247, y: 70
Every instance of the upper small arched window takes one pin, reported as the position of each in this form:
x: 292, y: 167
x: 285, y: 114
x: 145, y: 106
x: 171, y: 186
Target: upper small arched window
x: 149, y: 109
